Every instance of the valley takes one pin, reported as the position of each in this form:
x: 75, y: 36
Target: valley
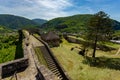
x: 78, y: 47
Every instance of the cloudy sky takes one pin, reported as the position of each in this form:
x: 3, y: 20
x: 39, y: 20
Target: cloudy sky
x: 48, y: 9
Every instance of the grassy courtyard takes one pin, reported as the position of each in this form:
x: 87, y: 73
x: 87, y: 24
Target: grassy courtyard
x: 79, y: 68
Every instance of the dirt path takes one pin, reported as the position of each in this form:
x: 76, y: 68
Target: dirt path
x: 31, y: 71
x: 34, y: 41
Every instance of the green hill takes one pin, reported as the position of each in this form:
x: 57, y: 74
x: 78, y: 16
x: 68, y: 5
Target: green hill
x: 15, y: 22
x: 74, y: 23
x: 39, y: 21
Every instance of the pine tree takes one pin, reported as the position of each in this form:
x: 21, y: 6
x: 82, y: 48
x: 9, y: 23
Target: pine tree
x: 99, y: 28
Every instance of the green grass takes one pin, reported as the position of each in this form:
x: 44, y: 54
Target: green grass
x: 107, y: 43
x: 117, y: 33
x: 40, y: 56
x: 1, y: 28
x: 74, y: 64
x: 36, y: 35
x: 79, y: 38
x: 7, y: 54
x: 110, y: 44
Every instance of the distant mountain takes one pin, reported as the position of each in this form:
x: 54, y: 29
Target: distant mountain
x: 15, y: 22
x: 116, y: 25
x: 39, y: 21
x: 75, y: 23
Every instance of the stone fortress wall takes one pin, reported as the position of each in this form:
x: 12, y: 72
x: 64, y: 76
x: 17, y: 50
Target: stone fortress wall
x: 11, y: 67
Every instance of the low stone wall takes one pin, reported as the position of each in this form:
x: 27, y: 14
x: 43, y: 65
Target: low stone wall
x: 100, y: 47
x: 8, y: 69
x: 73, y: 40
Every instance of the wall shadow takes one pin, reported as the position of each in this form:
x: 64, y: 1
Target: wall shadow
x: 19, y: 49
x: 14, y: 72
x: 103, y: 62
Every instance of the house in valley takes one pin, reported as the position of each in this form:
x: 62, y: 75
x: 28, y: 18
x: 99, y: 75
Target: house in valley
x: 51, y: 38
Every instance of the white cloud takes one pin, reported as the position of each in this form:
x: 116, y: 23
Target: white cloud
x: 54, y: 4
x: 46, y: 9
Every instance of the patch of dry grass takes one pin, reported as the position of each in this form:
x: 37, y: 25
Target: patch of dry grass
x: 72, y: 62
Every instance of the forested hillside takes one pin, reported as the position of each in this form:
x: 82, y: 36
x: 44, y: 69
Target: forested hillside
x: 69, y: 24
x: 4, y: 29
x: 74, y: 23
x: 15, y: 22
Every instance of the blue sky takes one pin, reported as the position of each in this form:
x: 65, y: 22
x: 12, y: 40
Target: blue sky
x: 48, y: 9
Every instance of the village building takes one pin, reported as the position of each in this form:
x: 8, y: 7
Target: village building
x: 51, y: 38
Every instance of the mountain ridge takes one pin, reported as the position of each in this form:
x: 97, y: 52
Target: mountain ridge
x: 74, y: 23
x: 16, y: 22
x: 39, y: 21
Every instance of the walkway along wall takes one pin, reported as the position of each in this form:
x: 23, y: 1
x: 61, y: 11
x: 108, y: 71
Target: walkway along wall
x: 62, y: 71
